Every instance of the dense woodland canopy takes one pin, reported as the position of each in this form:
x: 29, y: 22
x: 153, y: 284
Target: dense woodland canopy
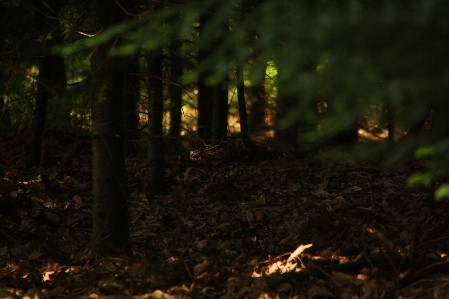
x: 346, y: 80
x: 327, y: 67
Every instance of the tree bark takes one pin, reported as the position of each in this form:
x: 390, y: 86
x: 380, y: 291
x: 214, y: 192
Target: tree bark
x: 61, y: 105
x: 220, y: 106
x: 131, y: 98
x: 175, y: 93
x: 242, y: 103
x: 40, y: 112
x: 156, y: 151
x: 110, y: 234
x: 220, y: 113
x: 205, y: 92
x: 258, y: 104
x: 51, y: 82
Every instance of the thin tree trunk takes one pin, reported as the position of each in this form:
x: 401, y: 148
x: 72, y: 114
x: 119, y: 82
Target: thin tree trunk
x: 348, y: 135
x: 205, y: 92
x: 220, y: 112
x: 61, y: 104
x: 131, y: 97
x: 156, y: 151
x: 391, y: 121
x: 51, y: 81
x: 175, y: 93
x: 258, y: 104
x: 220, y: 103
x: 242, y: 103
x: 110, y: 233
x: 40, y: 112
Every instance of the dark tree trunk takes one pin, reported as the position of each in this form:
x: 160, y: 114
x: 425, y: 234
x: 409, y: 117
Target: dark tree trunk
x: 131, y: 98
x: 175, y: 93
x: 40, y: 112
x: 51, y: 82
x: 205, y: 92
x: 348, y: 135
x: 258, y: 105
x: 61, y: 105
x: 220, y: 106
x: 440, y: 120
x: 110, y: 233
x: 391, y: 122
x: 173, y: 144
x: 156, y: 151
x: 242, y: 103
x: 5, y: 119
x: 220, y: 112
x: 295, y: 136
x: 205, y: 98
x: 287, y: 138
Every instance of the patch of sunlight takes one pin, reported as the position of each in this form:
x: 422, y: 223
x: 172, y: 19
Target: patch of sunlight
x: 281, y: 266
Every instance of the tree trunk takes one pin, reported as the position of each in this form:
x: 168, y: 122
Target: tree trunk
x: 110, y: 234
x: 205, y: 92
x: 131, y: 98
x: 220, y: 102
x: 220, y: 112
x: 175, y: 93
x: 61, y: 105
x: 242, y: 103
x: 156, y: 151
x: 391, y: 122
x: 295, y: 136
x: 348, y: 135
x: 287, y: 138
x: 40, y: 112
x: 258, y: 105
x: 51, y: 82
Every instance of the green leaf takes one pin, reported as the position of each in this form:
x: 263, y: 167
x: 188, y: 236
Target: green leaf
x: 152, y: 44
x: 416, y: 179
x: 124, y: 50
x: 63, y: 50
x: 424, y: 152
x: 442, y: 192
x: 189, y: 78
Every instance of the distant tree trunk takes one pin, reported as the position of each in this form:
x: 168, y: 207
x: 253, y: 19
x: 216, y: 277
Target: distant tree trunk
x: 242, y: 103
x: 220, y: 107
x: 287, y: 138
x: 294, y: 137
x: 61, y: 105
x: 110, y: 233
x: 131, y: 97
x: 40, y: 112
x: 220, y: 112
x: 389, y: 112
x: 175, y: 92
x: 5, y: 119
x: 205, y: 92
x: 349, y: 134
x: 51, y: 82
x: 440, y: 120
x: 391, y: 122
x: 258, y: 104
x: 156, y: 151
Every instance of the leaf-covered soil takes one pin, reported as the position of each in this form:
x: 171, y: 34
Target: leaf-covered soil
x: 229, y: 226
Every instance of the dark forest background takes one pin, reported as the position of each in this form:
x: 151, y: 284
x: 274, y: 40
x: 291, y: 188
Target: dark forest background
x: 344, y: 81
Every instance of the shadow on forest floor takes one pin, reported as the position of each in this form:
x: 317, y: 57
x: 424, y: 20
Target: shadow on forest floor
x: 226, y: 228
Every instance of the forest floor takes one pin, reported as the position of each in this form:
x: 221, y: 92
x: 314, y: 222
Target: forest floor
x: 228, y: 227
